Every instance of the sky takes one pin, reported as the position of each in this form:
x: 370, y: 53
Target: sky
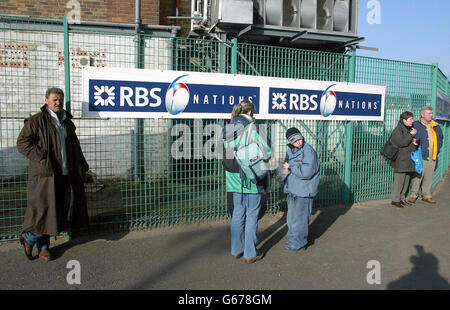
x: 408, y: 30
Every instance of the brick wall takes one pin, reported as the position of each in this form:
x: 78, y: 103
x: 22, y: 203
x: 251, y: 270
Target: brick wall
x: 115, y: 11
x: 167, y: 8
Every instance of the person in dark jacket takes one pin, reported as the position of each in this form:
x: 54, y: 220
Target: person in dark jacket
x: 404, y: 167
x: 301, y: 186
x: 430, y: 138
x: 56, y: 171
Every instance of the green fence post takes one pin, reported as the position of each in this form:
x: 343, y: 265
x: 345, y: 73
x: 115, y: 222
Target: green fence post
x: 66, y: 65
x: 434, y: 89
x: 139, y: 122
x: 349, y: 137
x: 67, y: 80
x: 447, y: 155
x: 434, y: 86
x: 447, y: 131
x: 234, y: 50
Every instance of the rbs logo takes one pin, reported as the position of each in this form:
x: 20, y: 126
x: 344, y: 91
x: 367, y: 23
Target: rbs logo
x: 302, y: 102
x: 147, y: 96
x: 328, y: 102
x: 142, y: 97
x: 177, y: 96
x: 286, y: 100
x: 125, y: 96
x: 173, y: 97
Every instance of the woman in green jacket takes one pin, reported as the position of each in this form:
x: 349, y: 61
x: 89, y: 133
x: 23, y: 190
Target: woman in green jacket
x: 247, y: 195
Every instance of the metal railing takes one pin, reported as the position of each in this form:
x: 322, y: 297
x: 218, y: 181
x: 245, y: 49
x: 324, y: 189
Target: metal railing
x: 138, y: 184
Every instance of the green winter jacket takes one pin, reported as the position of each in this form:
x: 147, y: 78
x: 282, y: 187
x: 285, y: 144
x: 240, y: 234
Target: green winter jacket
x: 402, y: 139
x: 233, y: 179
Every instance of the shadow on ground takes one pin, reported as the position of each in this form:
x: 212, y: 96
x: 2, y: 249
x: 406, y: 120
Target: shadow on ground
x: 59, y: 249
x: 424, y: 274
x: 325, y: 218
x: 214, y: 243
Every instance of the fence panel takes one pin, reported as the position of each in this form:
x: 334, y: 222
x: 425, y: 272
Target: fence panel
x: 326, y: 137
x: 408, y: 88
x: 443, y: 157
x: 29, y: 62
x: 139, y: 182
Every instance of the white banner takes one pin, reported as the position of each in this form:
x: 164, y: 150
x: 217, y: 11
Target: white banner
x: 142, y: 93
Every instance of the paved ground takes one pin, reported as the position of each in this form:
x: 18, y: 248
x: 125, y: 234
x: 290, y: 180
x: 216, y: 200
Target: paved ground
x: 411, y: 245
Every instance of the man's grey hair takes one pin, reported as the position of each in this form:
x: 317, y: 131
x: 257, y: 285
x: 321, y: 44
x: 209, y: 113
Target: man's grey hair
x: 426, y: 108
x: 54, y: 90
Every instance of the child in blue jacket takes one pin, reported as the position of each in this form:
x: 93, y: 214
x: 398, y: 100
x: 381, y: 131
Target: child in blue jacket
x: 301, y: 187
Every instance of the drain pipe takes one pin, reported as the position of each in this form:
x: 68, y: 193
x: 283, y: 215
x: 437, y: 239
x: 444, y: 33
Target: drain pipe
x: 139, y: 160
x: 193, y: 7
x: 137, y: 16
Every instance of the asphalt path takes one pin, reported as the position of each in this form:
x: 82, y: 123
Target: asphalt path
x: 367, y: 246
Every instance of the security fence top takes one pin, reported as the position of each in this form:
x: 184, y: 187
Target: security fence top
x: 55, y: 25
x: 115, y: 28
x: 32, y: 24
x: 384, y: 60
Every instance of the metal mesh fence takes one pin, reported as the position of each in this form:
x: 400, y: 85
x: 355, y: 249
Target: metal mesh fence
x: 138, y: 183
x: 326, y: 137
x: 408, y: 89
x: 29, y: 64
x: 443, y: 85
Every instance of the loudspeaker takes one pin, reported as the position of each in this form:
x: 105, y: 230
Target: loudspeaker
x: 258, y: 12
x: 291, y: 13
x: 308, y: 14
x: 274, y: 12
x: 277, y: 13
x: 341, y: 15
x: 325, y: 14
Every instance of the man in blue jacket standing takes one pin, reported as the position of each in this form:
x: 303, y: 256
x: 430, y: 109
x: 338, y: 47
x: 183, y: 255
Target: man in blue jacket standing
x: 430, y: 138
x: 301, y: 187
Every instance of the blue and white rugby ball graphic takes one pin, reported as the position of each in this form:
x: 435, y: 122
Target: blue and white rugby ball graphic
x: 177, y: 96
x: 328, y: 102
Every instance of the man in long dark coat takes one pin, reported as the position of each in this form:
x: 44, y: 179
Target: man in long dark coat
x: 56, y: 171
